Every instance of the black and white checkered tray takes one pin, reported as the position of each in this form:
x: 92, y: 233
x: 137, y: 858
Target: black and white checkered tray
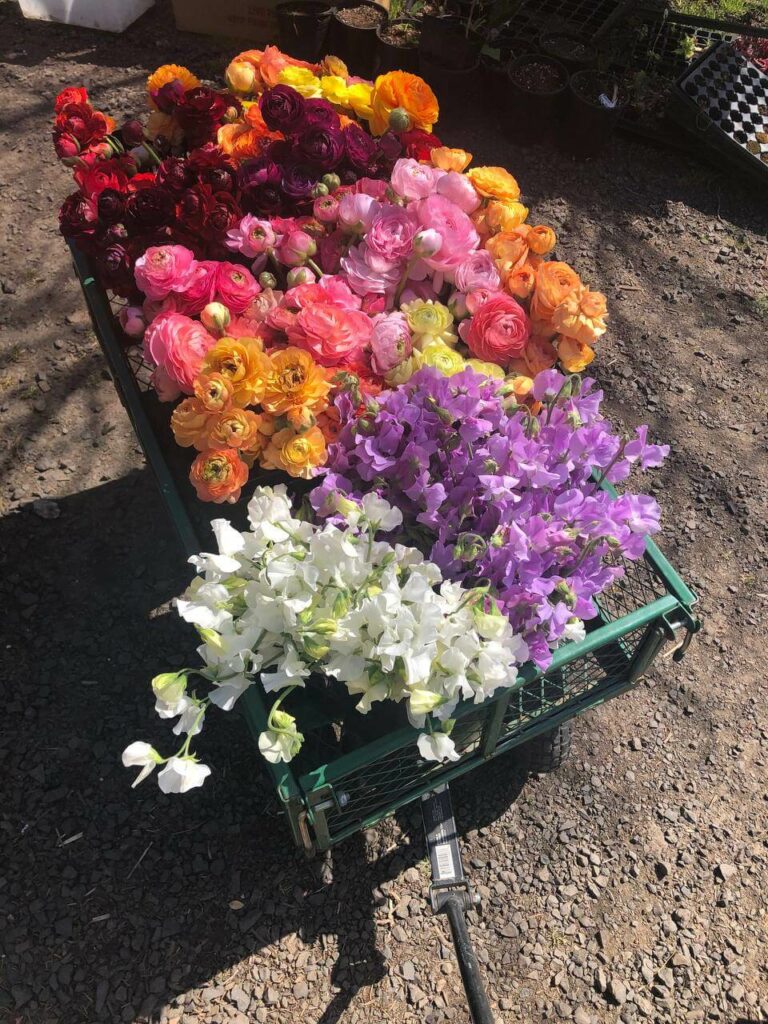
x: 723, y: 97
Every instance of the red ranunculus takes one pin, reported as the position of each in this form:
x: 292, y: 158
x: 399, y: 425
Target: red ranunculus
x: 72, y: 94
x: 419, y: 144
x: 104, y: 174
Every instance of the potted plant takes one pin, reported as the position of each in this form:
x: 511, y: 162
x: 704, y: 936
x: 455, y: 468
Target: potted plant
x: 399, y: 45
x: 595, y: 104
x: 537, y: 90
x: 448, y: 41
x: 353, y: 35
x: 303, y: 27
x: 572, y: 51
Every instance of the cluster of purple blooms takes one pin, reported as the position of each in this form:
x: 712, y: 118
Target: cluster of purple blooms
x: 500, y: 495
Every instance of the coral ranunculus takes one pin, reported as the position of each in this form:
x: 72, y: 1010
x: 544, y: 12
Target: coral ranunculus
x: 214, y: 391
x: 401, y: 90
x: 297, y: 454
x: 218, y: 475
x: 244, y: 363
x: 498, y: 332
x: 191, y: 424
x: 236, y: 428
x: 581, y: 315
x: 331, y: 334
x: 294, y: 381
x: 495, y: 183
x: 554, y: 282
x: 177, y: 345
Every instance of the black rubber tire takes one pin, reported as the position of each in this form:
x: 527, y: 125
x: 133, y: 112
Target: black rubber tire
x: 550, y: 750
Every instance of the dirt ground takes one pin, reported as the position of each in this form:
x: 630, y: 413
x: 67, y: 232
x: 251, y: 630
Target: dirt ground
x: 629, y: 886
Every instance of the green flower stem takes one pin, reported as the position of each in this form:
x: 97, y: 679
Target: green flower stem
x: 276, y: 706
x: 314, y: 267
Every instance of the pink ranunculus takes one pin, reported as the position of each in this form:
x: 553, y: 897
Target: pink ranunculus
x: 391, y: 342
x: 372, y: 187
x: 295, y: 248
x: 235, y: 286
x: 419, y: 289
x: 132, y: 321
x: 391, y: 233
x: 163, y: 269
x: 252, y: 236
x: 477, y: 271
x: 200, y: 288
x: 357, y: 211
x: 373, y: 304
x: 474, y: 300
x: 281, y: 319
x: 413, y: 180
x: 167, y: 389
x: 366, y: 272
x: 172, y: 303
x: 332, y: 335
x: 244, y: 327
x: 300, y: 276
x: 336, y: 290
x: 454, y: 227
x: 498, y: 332
x: 460, y: 190
x: 176, y: 345
x: 258, y: 308
x: 326, y: 209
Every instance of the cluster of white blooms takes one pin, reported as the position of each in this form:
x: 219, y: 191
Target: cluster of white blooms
x: 287, y: 598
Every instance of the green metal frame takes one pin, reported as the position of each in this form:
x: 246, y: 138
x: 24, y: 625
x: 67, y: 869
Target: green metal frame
x: 344, y: 790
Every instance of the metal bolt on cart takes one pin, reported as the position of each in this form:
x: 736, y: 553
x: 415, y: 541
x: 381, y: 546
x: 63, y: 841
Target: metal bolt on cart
x: 345, y: 782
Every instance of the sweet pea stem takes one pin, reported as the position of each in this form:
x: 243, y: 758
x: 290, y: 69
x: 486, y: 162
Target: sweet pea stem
x: 314, y: 267
x: 276, y: 707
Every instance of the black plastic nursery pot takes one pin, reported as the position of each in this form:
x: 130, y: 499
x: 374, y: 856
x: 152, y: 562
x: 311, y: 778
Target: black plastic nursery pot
x: 353, y: 36
x: 590, y: 122
x: 398, y: 55
x: 445, y: 42
x: 572, y: 51
x: 303, y: 28
x: 538, y: 88
x: 494, y: 81
x: 457, y: 90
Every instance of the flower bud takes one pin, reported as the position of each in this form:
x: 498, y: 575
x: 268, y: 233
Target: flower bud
x: 324, y: 627
x: 300, y: 275
x: 132, y: 133
x: 296, y: 248
x: 132, y: 321
x: 320, y: 189
x: 169, y: 687
x: 331, y: 181
x: 458, y: 305
x: 215, y: 317
x: 231, y: 114
x: 427, y: 242
x: 241, y: 76
x: 314, y: 649
x: 341, y: 604
x: 574, y: 420
x: 564, y: 592
x: 400, y: 120
x: 349, y: 509
x: 469, y: 547
x: 267, y: 280
x: 326, y: 209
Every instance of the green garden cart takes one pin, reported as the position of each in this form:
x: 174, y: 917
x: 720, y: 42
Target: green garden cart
x: 345, y: 782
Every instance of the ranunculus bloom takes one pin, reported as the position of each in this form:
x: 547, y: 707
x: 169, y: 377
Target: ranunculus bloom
x: 541, y: 239
x: 503, y: 216
x: 357, y: 211
x: 494, y: 183
x: 574, y: 355
x: 454, y: 227
x: 509, y: 249
x: 237, y: 428
x: 362, y: 151
x: 72, y: 94
x: 177, y: 345
x: 252, y: 236
x: 200, y: 288
x: 236, y: 287
x: 521, y: 281
x: 391, y: 233
x: 478, y: 270
x: 191, y: 424
x: 214, y: 391
x: 474, y: 300
x: 322, y: 148
x: 367, y: 272
x: 554, y: 282
x: 244, y: 363
x: 132, y: 321
x: 295, y: 248
x: 413, y: 180
x: 171, y: 73
x: 282, y: 109
x: 218, y: 475
x: 163, y: 269
x: 459, y: 189
x: 398, y: 89
x: 581, y: 315
x: 498, y: 331
x: 297, y: 454
x: 418, y: 144
x: 390, y: 342
x: 447, y: 159
x: 331, y: 334
x: 294, y: 382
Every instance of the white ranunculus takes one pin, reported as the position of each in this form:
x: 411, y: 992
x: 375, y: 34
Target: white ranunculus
x: 182, y: 774
x: 141, y: 755
x: 437, y: 746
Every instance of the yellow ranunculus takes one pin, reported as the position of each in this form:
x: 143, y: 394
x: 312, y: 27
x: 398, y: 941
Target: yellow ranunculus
x: 335, y: 90
x: 443, y: 358
x: 405, y: 370
x: 302, y: 80
x: 489, y: 369
x: 359, y: 99
x: 505, y: 216
x: 429, y: 321
x: 494, y: 183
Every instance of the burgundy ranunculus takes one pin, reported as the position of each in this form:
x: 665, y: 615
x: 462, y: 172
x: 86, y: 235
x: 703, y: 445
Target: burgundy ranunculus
x: 348, y: 175
x: 173, y: 173
x: 115, y: 259
x: 200, y: 113
x: 132, y: 133
x: 224, y: 214
x: 361, y: 148
x: 282, y: 109
x: 391, y: 146
x: 78, y: 216
x: 261, y: 182
x: 298, y: 181
x: 114, y: 233
x: 418, y: 144
x: 323, y: 148
x: 168, y: 96
x: 319, y: 114
x: 111, y: 206
x: 151, y: 206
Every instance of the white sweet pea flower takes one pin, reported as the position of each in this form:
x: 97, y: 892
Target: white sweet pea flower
x: 380, y: 514
x: 190, y: 720
x: 282, y: 742
x: 290, y: 670
x: 422, y: 702
x: 230, y: 541
x: 574, y: 630
x: 182, y: 774
x: 141, y: 755
x: 270, y: 512
x: 226, y: 694
x: 437, y: 746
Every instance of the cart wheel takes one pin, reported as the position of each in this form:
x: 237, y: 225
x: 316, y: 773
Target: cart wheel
x: 550, y: 751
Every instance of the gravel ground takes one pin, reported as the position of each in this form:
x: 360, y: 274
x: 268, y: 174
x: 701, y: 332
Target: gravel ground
x: 629, y: 886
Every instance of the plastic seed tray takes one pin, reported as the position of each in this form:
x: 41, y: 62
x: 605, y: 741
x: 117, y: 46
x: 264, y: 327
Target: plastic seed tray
x: 355, y: 770
x: 723, y: 97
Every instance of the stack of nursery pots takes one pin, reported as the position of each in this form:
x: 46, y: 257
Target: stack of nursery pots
x: 449, y: 59
x: 353, y: 35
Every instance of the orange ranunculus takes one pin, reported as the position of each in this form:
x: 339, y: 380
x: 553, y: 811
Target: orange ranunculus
x: 540, y: 354
x: 334, y: 66
x: 521, y: 385
x: 272, y: 63
x: 509, y: 250
x: 554, y: 281
x: 520, y: 281
x: 574, y: 355
x: 166, y: 125
x: 329, y: 422
x: 401, y: 90
x: 244, y: 362
x: 218, y: 474
x: 447, y: 159
x: 242, y: 74
x: 581, y: 315
x: 215, y: 391
x: 191, y: 423
x: 170, y: 73
x: 236, y: 428
x: 294, y: 381
x: 504, y: 215
x: 495, y: 183
x: 541, y: 239
x: 297, y: 454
